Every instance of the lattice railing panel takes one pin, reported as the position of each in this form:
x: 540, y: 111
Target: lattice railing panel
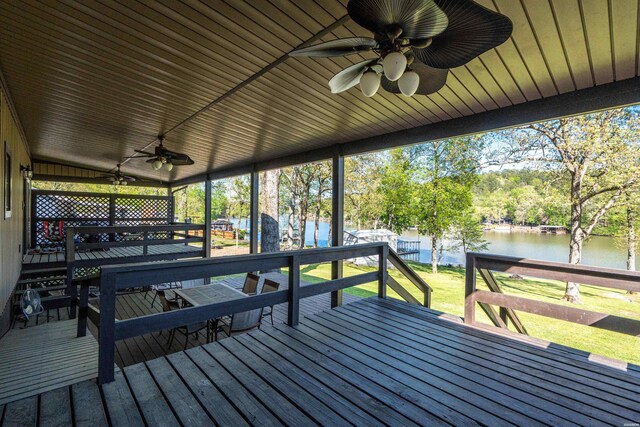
x: 53, y: 211
x: 143, y: 208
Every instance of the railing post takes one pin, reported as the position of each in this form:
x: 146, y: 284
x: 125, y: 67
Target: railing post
x: 382, y: 271
x: 83, y: 307
x: 112, y: 215
x: 470, y: 288
x: 70, y: 257
x: 106, y: 337
x: 145, y: 237
x: 294, y: 287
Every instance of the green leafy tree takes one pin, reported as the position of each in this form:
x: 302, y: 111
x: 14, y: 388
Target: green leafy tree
x: 599, y: 156
x: 445, y: 173
x: 467, y: 234
x: 396, y: 191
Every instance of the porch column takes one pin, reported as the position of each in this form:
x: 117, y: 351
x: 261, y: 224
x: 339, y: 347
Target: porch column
x: 337, y: 221
x: 207, y: 218
x: 253, y: 213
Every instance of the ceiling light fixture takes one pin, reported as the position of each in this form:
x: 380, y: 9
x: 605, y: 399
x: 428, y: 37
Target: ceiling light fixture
x: 416, y: 42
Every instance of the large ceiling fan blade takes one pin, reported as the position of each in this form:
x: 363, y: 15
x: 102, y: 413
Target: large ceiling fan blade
x: 182, y: 161
x: 146, y: 153
x: 431, y: 80
x: 472, y: 30
x: 152, y: 160
x: 350, y: 76
x: 340, y: 47
x: 418, y: 19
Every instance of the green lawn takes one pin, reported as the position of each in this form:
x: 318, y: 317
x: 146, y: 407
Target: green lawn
x: 448, y: 296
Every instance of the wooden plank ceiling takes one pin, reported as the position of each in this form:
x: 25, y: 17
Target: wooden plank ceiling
x: 94, y: 80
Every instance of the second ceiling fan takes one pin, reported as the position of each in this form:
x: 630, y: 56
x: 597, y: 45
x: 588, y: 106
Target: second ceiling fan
x: 162, y: 157
x: 416, y: 41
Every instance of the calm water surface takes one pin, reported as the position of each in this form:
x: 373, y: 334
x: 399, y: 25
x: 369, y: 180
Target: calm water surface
x: 598, y: 250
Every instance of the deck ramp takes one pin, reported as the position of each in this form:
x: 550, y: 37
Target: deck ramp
x: 44, y: 357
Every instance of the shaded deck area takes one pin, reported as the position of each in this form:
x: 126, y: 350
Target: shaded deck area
x: 372, y: 362
x: 149, y: 346
x: 46, y: 357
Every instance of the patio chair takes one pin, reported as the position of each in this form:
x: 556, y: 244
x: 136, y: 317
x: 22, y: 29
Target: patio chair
x: 269, y: 286
x: 250, y: 286
x: 238, y: 322
x: 161, y: 287
x: 194, y: 328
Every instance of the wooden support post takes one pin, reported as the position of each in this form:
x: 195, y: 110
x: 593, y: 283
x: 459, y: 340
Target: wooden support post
x: 470, y: 288
x: 253, y: 213
x: 106, y: 337
x: 382, y: 271
x: 294, y: 288
x: 206, y: 234
x: 337, y: 222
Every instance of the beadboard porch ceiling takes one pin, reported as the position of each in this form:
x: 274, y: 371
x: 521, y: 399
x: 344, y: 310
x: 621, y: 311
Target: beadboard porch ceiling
x: 93, y: 80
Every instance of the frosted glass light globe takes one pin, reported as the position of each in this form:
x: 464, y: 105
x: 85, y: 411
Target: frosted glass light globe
x: 169, y: 166
x: 408, y: 83
x: 157, y: 164
x: 394, y: 65
x: 370, y: 83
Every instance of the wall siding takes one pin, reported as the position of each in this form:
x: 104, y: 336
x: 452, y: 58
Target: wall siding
x: 11, y: 229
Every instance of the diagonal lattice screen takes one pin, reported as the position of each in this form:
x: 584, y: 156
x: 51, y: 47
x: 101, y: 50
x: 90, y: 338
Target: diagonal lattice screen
x: 54, y: 211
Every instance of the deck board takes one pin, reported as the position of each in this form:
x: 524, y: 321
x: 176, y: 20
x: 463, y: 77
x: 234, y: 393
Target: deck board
x: 43, y: 358
x: 371, y: 362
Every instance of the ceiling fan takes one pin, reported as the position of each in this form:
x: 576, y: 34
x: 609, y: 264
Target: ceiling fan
x: 163, y: 157
x: 416, y: 42
x: 118, y: 178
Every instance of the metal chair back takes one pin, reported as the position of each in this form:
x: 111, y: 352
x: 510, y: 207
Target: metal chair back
x: 251, y: 283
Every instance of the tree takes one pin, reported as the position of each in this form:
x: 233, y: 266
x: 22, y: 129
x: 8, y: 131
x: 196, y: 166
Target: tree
x: 467, y: 233
x: 219, y: 201
x: 239, y: 190
x: 322, y: 187
x: 599, y: 154
x: 363, y: 203
x: 446, y: 170
x: 396, y: 191
x: 269, y: 203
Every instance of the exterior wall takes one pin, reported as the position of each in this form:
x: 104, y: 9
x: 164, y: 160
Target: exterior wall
x: 11, y: 229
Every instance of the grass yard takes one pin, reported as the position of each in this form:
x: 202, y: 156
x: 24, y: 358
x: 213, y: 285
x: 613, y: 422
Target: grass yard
x: 448, y: 296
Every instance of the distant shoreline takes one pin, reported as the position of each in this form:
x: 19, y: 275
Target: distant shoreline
x: 537, y: 229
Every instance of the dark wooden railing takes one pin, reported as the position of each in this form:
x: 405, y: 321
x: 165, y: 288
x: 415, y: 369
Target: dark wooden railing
x: 114, y: 278
x: 413, y: 277
x: 604, y: 277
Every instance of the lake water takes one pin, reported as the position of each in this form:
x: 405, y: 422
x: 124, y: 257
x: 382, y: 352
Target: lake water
x: 598, y: 250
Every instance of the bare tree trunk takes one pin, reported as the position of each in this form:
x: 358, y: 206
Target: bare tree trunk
x: 270, y: 231
x: 572, y: 291
x: 434, y: 255
x: 631, y: 240
x: 304, y: 211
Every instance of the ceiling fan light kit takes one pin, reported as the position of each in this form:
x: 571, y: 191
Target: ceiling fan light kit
x: 416, y: 43
x: 370, y: 83
x: 163, y: 157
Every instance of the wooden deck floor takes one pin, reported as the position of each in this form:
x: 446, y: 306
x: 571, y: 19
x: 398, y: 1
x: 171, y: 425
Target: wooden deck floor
x: 45, y: 357
x: 57, y: 259
x: 348, y: 367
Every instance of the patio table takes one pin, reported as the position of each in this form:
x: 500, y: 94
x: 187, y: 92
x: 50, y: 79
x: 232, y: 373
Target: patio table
x: 209, y: 294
